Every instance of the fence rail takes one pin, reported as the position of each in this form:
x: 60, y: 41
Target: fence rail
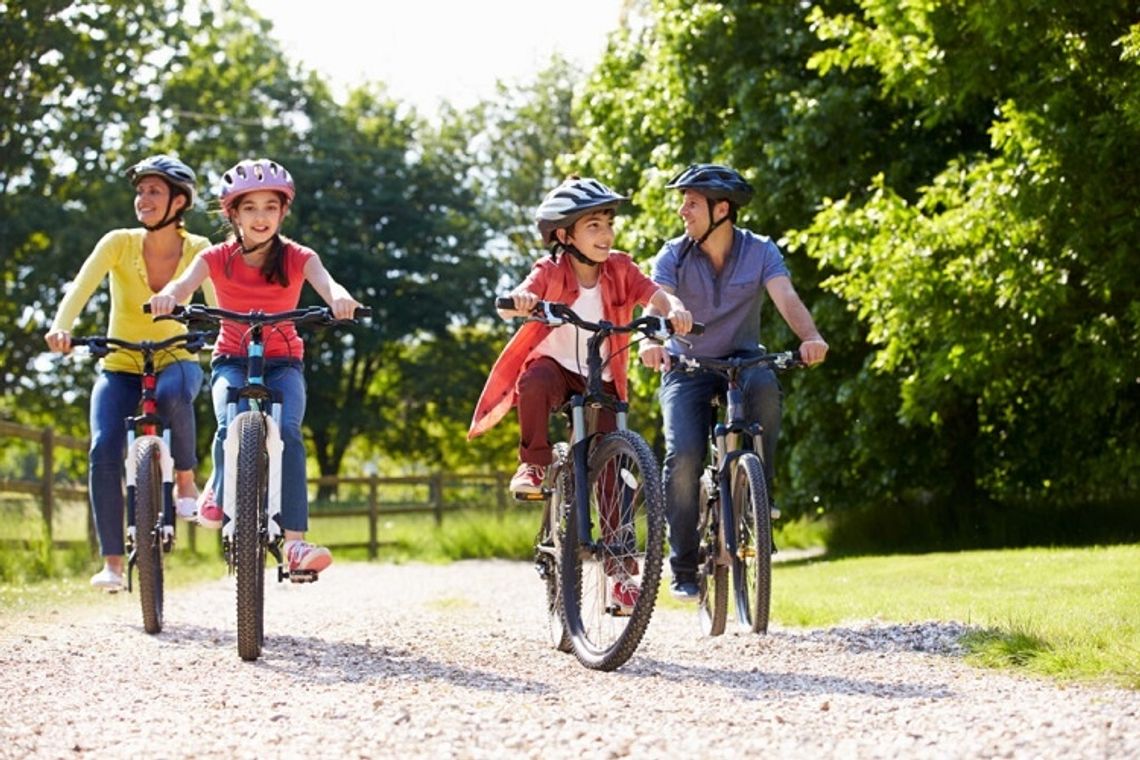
x: 440, y: 498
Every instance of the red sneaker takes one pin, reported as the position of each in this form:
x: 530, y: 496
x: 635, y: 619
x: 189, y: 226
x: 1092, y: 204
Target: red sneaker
x: 625, y: 593
x: 528, y: 479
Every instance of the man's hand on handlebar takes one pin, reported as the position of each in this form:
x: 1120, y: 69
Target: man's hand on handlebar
x: 813, y: 351
x: 655, y: 357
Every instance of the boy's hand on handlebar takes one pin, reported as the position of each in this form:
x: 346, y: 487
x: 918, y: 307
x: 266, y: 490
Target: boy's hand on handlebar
x: 525, y: 301
x: 813, y: 351
x: 59, y: 341
x: 161, y: 304
x: 681, y: 320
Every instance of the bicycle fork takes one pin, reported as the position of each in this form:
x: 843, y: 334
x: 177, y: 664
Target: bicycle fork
x: 166, y: 465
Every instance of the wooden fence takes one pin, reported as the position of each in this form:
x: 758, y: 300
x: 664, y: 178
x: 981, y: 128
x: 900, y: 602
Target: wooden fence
x: 444, y: 492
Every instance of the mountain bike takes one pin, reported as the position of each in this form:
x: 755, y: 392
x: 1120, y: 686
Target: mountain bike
x: 253, y: 448
x: 735, y: 514
x: 149, y: 469
x: 601, y: 541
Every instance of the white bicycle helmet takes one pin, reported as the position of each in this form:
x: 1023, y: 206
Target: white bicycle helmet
x: 571, y: 200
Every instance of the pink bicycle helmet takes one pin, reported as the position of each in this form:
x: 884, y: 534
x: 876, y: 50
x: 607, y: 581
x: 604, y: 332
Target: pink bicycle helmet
x: 255, y: 174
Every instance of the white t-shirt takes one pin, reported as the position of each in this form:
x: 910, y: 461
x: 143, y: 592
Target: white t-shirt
x: 566, y: 344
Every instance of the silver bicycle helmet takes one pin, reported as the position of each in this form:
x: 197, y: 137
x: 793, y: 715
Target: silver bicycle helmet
x: 571, y: 200
x: 179, y: 175
x: 715, y: 182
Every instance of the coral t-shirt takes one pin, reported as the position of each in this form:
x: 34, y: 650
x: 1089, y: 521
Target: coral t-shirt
x: 244, y: 288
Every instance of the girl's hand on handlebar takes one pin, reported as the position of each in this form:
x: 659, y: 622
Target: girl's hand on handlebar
x: 344, y: 308
x: 161, y: 304
x: 59, y: 341
x: 525, y: 301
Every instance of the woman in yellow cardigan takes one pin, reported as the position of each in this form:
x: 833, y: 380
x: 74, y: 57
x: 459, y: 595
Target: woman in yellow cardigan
x: 138, y: 262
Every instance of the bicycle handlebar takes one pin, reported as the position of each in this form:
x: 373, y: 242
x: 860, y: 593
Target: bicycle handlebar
x: 554, y: 314
x: 101, y: 345
x: 319, y: 315
x: 781, y: 360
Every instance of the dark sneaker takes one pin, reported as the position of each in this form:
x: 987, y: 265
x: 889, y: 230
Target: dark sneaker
x: 528, y: 479
x: 684, y: 587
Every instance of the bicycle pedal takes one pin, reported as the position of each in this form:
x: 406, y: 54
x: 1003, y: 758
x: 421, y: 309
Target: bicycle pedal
x: 542, y: 496
x: 302, y: 576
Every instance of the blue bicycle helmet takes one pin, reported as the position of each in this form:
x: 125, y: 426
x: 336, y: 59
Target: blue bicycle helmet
x: 180, y: 176
x: 715, y: 182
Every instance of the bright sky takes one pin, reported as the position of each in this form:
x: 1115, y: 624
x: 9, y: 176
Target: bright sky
x: 428, y: 51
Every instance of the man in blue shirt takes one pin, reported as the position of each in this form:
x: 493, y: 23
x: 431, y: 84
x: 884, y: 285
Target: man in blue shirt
x: 721, y: 273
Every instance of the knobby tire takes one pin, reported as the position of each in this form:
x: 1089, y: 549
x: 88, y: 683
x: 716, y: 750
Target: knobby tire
x: 712, y: 575
x: 624, y: 483
x: 551, y: 537
x: 148, y: 532
x: 250, y: 514
x: 752, y: 566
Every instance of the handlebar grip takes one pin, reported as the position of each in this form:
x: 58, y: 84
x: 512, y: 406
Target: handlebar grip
x: 504, y: 302
x: 697, y: 329
x: 362, y: 312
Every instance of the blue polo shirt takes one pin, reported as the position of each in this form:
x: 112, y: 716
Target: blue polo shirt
x: 729, y: 303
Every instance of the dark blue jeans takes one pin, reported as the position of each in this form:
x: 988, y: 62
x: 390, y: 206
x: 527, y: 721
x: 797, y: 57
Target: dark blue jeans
x: 287, y: 378
x: 114, y: 397
x: 685, y: 405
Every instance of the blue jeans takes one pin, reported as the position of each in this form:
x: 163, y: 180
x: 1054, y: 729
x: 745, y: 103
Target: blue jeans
x: 115, y: 397
x: 286, y: 377
x: 685, y: 405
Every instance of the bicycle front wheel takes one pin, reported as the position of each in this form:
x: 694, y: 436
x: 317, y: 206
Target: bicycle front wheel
x: 548, y: 548
x: 609, y: 585
x: 712, y: 572
x: 148, y: 531
x: 752, y: 565
x: 250, y: 514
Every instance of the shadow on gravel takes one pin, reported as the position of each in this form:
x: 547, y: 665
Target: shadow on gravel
x: 756, y: 683
x: 312, y: 660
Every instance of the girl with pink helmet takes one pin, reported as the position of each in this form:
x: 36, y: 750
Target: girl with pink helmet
x: 258, y: 268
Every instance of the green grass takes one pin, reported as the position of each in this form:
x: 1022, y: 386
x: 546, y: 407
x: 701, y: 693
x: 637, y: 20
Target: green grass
x: 1067, y: 613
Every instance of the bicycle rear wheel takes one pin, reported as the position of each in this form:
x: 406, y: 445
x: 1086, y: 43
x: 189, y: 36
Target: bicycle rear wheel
x: 148, y: 531
x: 249, y: 532
x: 609, y: 587
x: 752, y: 565
x: 712, y: 573
x: 548, y: 549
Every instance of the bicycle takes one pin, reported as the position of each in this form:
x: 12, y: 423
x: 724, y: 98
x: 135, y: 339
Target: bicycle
x: 149, y: 470
x: 623, y: 497
x: 253, y: 449
x: 735, y: 515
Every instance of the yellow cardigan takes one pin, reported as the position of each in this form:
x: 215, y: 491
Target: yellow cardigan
x: 119, y: 254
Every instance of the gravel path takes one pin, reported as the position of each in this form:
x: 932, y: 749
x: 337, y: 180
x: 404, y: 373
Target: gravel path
x: 384, y: 660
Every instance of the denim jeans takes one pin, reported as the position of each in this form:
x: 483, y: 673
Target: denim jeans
x: 286, y: 377
x: 685, y: 406
x: 114, y: 397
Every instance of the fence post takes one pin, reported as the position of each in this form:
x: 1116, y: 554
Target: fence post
x: 435, y: 496
x: 47, y: 440
x: 373, y: 516
x: 501, y: 493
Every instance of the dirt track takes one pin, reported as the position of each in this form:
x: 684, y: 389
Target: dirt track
x: 383, y: 660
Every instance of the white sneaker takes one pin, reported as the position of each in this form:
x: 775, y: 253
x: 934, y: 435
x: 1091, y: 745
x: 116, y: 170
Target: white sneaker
x: 108, y: 580
x: 186, y: 507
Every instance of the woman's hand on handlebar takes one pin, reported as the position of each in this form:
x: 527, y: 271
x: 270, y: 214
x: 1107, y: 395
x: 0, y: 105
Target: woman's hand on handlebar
x: 524, y: 301
x: 162, y: 304
x: 59, y: 341
x: 344, y: 308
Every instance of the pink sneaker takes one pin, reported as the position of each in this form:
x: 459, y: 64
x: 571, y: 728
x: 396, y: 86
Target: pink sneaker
x: 209, y: 513
x: 302, y: 555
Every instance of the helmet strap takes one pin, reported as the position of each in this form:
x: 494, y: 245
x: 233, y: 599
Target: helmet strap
x: 167, y: 219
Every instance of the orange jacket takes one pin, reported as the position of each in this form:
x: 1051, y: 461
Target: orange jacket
x: 624, y: 286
